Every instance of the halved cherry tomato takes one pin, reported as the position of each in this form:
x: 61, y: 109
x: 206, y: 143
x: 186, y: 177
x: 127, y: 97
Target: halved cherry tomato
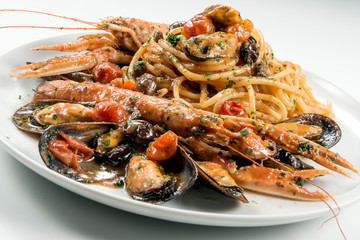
x: 123, y: 82
x: 105, y: 72
x: 198, y: 25
x: 232, y: 108
x: 70, y: 151
x: 109, y: 111
x: 163, y: 148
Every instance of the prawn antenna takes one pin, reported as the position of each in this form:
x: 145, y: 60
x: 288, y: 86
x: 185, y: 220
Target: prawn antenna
x: 61, y: 28
x: 49, y: 14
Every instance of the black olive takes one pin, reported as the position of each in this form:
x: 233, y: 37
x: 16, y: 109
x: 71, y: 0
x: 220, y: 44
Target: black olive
x: 118, y: 156
x: 146, y: 84
x: 176, y: 25
x: 249, y: 52
x: 139, y: 68
x: 158, y: 35
x: 140, y: 132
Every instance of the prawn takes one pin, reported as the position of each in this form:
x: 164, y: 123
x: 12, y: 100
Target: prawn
x: 122, y: 37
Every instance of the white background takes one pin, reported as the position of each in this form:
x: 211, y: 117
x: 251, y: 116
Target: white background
x: 321, y: 36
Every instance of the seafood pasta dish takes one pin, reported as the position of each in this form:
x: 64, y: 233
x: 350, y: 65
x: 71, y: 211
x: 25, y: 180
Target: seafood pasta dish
x: 153, y: 107
x: 213, y: 58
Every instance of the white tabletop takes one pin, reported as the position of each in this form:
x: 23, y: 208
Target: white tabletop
x: 323, y: 37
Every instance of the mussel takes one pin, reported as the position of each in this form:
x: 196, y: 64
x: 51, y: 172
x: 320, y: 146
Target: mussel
x: 220, y: 179
x: 214, y: 175
x: 287, y: 159
x: 105, y: 154
x: 75, y: 76
x: 157, y: 182
x: 315, y: 127
x: 35, y: 117
x: 89, y: 170
x: 209, y: 46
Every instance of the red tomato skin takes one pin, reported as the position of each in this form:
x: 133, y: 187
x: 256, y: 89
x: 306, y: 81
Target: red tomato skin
x: 106, y: 72
x: 198, y: 25
x: 109, y: 111
x: 163, y: 148
x: 233, y: 108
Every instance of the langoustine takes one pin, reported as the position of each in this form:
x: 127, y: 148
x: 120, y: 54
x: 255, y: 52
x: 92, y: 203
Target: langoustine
x: 214, y: 137
x: 123, y: 36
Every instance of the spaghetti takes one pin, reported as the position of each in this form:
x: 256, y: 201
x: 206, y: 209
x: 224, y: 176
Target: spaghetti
x: 268, y: 89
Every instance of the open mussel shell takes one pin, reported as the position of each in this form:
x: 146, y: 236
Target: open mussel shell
x: 75, y: 76
x: 224, y: 184
x: 286, y: 160
x: 330, y: 133
x: 25, y: 117
x: 92, y: 170
x: 217, y: 177
x: 145, y: 182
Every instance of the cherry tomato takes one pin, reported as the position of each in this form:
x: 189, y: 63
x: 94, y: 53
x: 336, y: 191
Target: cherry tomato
x: 105, y: 72
x: 109, y: 111
x: 232, y: 108
x: 163, y: 148
x: 198, y: 25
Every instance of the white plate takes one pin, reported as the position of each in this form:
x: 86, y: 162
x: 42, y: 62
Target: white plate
x: 200, y: 205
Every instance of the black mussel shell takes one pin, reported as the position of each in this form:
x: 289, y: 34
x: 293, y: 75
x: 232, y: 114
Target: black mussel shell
x: 249, y: 52
x: 92, y: 170
x: 181, y: 175
x: 288, y: 159
x: 75, y: 76
x: 330, y: 134
x: 24, y: 120
x: 235, y: 191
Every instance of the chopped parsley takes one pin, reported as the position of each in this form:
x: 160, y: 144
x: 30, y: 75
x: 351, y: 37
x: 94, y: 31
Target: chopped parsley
x: 299, y: 181
x: 173, y: 39
x: 105, y: 143
x: 51, y: 158
x: 244, y: 132
x: 305, y: 146
x: 119, y: 183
